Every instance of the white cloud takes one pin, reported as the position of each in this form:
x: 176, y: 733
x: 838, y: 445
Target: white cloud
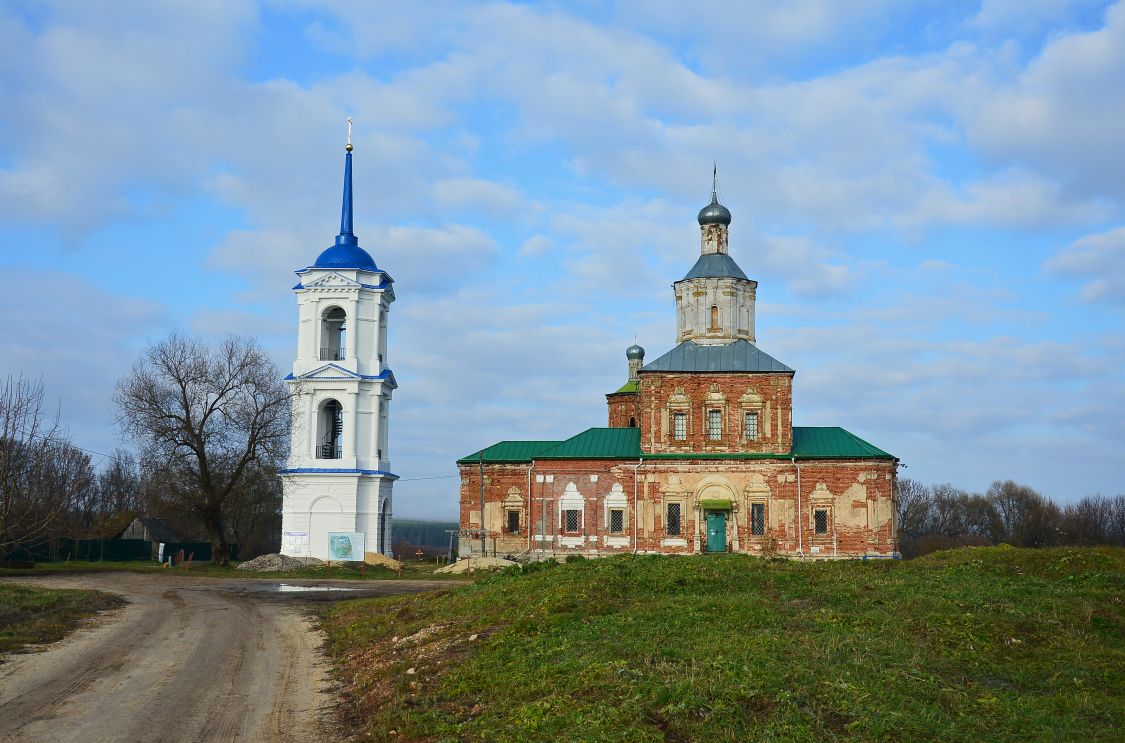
x: 1098, y: 260
x: 1063, y: 114
x: 474, y: 195
x: 80, y: 339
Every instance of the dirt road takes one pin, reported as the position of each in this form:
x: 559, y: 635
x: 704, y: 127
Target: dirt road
x: 187, y: 660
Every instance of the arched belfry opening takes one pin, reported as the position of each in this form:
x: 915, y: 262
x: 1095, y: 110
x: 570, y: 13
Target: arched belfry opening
x: 329, y: 430
x: 333, y: 334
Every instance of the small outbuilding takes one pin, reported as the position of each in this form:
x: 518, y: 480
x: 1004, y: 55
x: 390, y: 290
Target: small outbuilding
x: 149, y: 529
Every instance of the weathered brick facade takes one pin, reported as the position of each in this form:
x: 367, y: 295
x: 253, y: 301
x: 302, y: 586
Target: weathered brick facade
x: 700, y: 455
x: 856, y: 494
x: 624, y: 409
x: 769, y: 396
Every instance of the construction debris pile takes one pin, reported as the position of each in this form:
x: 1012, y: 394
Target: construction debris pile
x: 471, y: 564
x: 276, y: 563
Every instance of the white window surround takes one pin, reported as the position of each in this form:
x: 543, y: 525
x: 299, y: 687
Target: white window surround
x: 571, y: 500
x: 616, y: 500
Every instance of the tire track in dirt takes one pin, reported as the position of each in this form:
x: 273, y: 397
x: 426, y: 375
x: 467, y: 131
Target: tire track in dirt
x: 188, y: 659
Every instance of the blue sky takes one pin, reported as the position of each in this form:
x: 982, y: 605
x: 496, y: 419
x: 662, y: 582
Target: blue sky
x: 930, y: 195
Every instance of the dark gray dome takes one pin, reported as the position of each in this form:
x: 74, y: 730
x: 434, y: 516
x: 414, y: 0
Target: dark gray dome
x: 635, y: 352
x: 714, y: 213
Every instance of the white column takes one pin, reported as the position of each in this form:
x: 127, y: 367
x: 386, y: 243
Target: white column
x: 350, y: 415
x: 376, y: 442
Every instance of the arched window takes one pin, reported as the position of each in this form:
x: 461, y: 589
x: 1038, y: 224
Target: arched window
x: 333, y: 334
x: 329, y: 430
x: 714, y: 317
x: 632, y: 422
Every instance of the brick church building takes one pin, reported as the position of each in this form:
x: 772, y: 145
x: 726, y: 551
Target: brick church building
x: 700, y: 454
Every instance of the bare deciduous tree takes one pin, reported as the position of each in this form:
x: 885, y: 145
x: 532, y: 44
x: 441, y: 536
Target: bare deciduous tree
x: 119, y: 484
x: 206, y: 417
x: 40, y: 471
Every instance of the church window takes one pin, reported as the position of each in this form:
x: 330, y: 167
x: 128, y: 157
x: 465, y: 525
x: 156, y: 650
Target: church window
x: 333, y: 335
x: 715, y: 425
x: 820, y: 521
x: 714, y: 317
x: 571, y: 520
x: 751, y: 426
x: 330, y: 428
x: 673, y: 521
x: 632, y: 422
x: 616, y: 520
x: 513, y: 522
x: 757, y: 519
x: 679, y: 426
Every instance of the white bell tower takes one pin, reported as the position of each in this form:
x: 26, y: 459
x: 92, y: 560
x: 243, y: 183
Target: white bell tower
x: 338, y: 477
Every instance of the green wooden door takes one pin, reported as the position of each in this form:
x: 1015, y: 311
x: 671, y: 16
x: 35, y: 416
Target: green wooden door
x: 716, y: 531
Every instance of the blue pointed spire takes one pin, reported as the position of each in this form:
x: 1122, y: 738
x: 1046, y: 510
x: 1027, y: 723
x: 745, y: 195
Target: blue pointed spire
x: 346, y: 253
x: 346, y: 210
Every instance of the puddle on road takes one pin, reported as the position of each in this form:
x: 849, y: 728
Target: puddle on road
x: 290, y: 588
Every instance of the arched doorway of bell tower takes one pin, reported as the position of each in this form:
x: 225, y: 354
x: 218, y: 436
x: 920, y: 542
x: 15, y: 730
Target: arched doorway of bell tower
x: 324, y: 516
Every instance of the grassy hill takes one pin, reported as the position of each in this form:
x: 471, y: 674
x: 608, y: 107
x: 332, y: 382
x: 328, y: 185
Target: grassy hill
x: 971, y: 644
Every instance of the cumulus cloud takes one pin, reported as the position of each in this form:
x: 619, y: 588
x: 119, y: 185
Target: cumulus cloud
x: 1063, y: 113
x: 530, y: 175
x: 1098, y: 261
x: 79, y: 339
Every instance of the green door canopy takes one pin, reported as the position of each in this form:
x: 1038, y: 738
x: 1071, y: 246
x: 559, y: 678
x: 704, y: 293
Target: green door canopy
x: 715, y: 504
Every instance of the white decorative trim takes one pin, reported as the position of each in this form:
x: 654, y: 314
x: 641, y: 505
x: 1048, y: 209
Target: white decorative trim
x: 673, y: 543
x: 332, y: 281
x: 617, y: 541
x: 572, y: 541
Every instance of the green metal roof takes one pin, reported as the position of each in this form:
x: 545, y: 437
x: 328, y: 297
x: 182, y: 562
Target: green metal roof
x: 628, y: 387
x: 625, y: 443
x: 599, y: 443
x: 833, y: 442
x: 510, y: 451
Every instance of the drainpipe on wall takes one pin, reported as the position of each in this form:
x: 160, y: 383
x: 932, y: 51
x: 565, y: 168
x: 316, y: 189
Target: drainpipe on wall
x: 636, y: 516
x: 528, y: 520
x: 800, y: 512
x: 483, y: 546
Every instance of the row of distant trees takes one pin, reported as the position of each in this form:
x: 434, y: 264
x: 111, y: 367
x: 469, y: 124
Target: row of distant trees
x: 210, y: 424
x: 942, y: 516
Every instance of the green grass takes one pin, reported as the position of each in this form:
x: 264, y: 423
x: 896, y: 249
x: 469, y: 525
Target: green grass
x: 33, y: 616
x: 972, y: 644
x: 412, y: 570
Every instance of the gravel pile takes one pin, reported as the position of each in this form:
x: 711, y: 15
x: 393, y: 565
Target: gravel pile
x: 275, y: 563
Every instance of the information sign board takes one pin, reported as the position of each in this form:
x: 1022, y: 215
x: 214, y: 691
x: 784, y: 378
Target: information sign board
x: 345, y: 545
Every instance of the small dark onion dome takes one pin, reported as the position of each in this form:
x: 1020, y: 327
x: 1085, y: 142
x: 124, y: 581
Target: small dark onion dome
x: 714, y: 213
x: 635, y: 352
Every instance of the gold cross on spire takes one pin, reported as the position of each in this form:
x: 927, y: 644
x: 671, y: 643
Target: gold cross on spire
x: 348, y: 146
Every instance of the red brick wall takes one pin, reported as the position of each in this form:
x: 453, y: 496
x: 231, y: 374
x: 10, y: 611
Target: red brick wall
x: 857, y: 494
x: 660, y: 392
x: 623, y: 408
